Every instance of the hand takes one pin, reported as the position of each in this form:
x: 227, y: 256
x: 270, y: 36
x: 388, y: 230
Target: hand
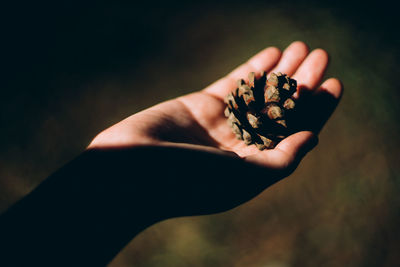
x: 196, y: 121
x: 174, y: 159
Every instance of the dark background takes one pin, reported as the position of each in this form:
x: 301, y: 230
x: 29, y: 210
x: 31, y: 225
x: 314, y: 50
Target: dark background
x: 71, y: 69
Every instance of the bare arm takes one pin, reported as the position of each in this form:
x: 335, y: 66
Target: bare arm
x: 177, y: 158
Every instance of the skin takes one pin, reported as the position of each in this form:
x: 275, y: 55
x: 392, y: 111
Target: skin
x: 177, y: 158
x: 196, y: 121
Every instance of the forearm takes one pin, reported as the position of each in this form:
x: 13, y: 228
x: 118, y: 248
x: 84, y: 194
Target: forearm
x: 91, y: 208
x: 84, y: 213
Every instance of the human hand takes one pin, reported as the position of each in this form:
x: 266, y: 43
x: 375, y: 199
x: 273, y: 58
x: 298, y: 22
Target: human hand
x: 174, y: 159
x: 196, y: 121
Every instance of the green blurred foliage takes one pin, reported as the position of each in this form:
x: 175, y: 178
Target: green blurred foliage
x: 340, y: 208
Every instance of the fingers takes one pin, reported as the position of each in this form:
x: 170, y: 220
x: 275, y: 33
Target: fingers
x: 287, y: 154
x: 307, y: 70
x: 291, y: 58
x: 296, y: 146
x: 325, y: 100
x: 310, y: 72
x: 315, y: 107
x: 263, y: 61
x: 333, y: 87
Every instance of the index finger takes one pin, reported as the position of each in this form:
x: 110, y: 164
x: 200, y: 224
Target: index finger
x: 263, y: 61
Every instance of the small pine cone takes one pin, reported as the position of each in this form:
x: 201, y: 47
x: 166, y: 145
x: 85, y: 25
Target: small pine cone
x: 258, y: 110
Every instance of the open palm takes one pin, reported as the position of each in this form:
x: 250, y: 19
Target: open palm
x: 196, y: 121
x: 177, y: 158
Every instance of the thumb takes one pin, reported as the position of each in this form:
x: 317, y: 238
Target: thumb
x: 297, y: 145
x: 287, y: 154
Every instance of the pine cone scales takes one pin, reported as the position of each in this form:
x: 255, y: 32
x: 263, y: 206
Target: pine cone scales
x: 258, y: 111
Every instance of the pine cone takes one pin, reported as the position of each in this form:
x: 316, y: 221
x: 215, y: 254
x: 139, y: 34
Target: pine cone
x: 259, y: 111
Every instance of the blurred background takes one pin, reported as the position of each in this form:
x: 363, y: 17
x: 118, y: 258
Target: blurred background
x: 71, y: 69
